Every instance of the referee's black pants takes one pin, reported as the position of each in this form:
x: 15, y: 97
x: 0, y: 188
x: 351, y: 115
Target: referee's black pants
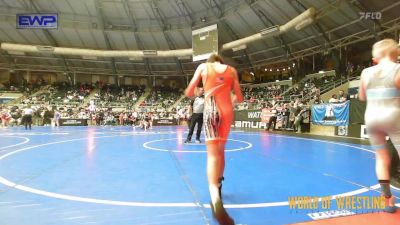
x: 272, y: 120
x: 197, y: 118
x: 27, y: 121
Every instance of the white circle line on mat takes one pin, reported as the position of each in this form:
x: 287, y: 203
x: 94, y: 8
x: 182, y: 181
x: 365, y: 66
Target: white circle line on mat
x: 146, y: 145
x: 20, y: 143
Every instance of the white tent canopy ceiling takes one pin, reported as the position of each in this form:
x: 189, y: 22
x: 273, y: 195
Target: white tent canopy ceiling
x: 115, y: 36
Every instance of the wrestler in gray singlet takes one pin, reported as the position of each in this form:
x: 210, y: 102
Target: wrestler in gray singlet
x: 383, y: 105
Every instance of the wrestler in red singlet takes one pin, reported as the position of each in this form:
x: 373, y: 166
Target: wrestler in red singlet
x: 219, y: 80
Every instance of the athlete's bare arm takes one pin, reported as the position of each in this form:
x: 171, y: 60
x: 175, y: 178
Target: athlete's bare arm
x: 189, y: 92
x: 236, y: 88
x: 397, y: 80
x: 361, y: 90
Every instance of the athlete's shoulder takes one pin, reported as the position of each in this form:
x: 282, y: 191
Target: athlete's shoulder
x: 233, y: 69
x: 202, y: 65
x: 367, y: 71
x: 371, y: 68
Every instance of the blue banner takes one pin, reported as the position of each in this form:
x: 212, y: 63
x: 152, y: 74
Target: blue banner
x: 37, y: 21
x: 331, y: 114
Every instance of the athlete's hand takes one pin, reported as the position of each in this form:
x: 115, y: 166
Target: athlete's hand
x: 234, y: 99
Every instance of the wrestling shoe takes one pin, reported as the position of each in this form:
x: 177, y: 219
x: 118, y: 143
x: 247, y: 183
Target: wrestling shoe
x: 220, y: 214
x: 390, y: 205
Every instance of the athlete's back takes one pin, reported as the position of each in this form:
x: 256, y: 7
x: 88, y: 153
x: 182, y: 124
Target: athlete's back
x: 218, y: 82
x: 382, y: 93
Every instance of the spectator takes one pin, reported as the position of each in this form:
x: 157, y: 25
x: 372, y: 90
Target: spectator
x: 57, y: 117
x: 121, y: 119
x: 285, y: 116
x: 343, y: 96
x: 5, y: 118
x: 299, y: 117
x: 316, y: 100
x: 333, y: 99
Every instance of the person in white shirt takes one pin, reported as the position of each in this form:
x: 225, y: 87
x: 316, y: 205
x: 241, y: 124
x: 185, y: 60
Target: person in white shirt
x: 334, y: 99
x: 27, y: 117
x: 57, y: 117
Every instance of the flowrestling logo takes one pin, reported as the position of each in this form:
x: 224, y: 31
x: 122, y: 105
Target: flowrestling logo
x: 370, y: 15
x: 37, y: 21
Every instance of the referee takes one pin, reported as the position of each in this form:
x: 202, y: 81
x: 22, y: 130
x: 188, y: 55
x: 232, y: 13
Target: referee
x: 197, y: 116
x: 27, y: 117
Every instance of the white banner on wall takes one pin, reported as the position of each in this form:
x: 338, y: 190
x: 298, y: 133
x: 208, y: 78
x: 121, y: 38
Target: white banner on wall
x: 364, y: 132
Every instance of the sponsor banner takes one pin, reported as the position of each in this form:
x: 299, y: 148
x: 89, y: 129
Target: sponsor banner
x: 37, y: 21
x: 248, y: 115
x: 331, y: 114
x: 256, y: 119
x: 164, y: 122
x: 73, y: 122
x: 250, y: 124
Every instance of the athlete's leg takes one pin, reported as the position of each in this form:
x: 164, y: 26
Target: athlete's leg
x: 224, y: 129
x: 212, y: 127
x: 221, y: 156
x: 382, y: 166
x: 395, y: 138
x: 221, y: 166
x: 214, y: 162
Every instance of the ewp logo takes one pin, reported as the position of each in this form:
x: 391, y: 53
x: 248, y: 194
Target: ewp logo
x: 32, y: 21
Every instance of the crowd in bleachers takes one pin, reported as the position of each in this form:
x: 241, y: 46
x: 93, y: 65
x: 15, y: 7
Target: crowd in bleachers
x: 265, y: 93
x: 24, y: 87
x: 103, y: 104
x: 58, y: 94
x: 111, y: 96
x: 163, y: 97
x: 68, y: 102
x: 310, y: 87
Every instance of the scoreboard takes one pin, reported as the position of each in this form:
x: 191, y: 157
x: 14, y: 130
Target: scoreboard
x: 204, y: 42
